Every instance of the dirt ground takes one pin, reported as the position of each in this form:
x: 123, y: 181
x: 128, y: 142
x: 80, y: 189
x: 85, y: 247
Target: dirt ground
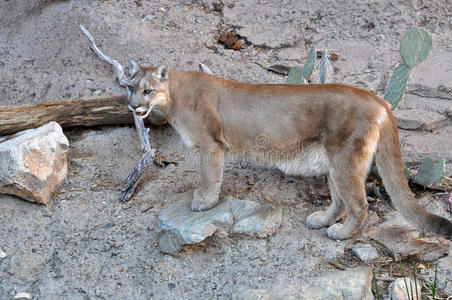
x: 88, y: 245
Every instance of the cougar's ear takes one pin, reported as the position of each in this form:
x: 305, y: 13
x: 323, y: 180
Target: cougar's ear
x: 161, y: 73
x: 134, y: 67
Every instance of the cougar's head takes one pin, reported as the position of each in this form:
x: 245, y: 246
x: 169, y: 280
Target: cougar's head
x: 147, y: 89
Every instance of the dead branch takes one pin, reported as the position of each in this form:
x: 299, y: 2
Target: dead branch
x: 132, y: 180
x: 119, y: 69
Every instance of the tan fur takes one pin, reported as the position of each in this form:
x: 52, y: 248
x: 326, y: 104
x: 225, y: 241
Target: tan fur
x: 310, y: 129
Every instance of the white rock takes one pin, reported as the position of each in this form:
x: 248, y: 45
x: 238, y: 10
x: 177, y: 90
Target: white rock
x: 23, y: 296
x: 365, y: 252
x: 398, y: 289
x: 2, y: 254
x: 33, y: 163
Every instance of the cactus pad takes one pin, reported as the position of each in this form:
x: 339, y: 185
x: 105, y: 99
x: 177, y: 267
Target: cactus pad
x: 430, y: 172
x: 322, y: 67
x: 397, y: 85
x: 415, y: 46
x: 309, y: 64
x: 294, y: 76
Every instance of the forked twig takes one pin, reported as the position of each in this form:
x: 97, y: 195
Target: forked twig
x: 119, y: 69
x: 147, y: 152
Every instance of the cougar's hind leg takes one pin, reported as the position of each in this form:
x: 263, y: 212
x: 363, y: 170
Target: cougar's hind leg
x: 211, y: 167
x: 348, y: 171
x: 352, y: 192
x: 328, y: 217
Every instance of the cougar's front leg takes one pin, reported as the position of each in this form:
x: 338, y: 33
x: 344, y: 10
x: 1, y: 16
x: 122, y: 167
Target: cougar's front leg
x: 211, y: 164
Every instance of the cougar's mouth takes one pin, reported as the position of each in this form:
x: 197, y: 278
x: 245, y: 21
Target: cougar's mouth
x: 141, y: 111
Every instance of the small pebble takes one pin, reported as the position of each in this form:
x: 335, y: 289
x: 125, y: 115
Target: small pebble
x: 171, y: 168
x: 147, y: 18
x: 365, y: 252
x: 98, y: 92
x: 23, y: 296
x: 2, y: 254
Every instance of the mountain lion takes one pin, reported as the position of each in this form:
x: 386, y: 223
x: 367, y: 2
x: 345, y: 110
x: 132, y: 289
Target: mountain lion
x: 309, y: 129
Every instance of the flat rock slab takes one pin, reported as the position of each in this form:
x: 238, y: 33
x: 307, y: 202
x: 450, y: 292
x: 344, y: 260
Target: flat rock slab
x: 349, y: 284
x: 33, y: 163
x: 419, y: 119
x: 178, y: 225
x: 404, y: 241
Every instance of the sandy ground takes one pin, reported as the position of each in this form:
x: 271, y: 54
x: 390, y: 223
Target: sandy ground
x: 87, y: 245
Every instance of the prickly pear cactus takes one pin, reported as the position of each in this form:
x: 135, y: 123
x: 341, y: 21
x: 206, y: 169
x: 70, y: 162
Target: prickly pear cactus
x: 430, y: 172
x: 299, y: 76
x: 415, y: 46
x: 309, y: 65
x: 322, y: 67
x: 408, y: 174
x: 397, y: 85
x: 294, y: 76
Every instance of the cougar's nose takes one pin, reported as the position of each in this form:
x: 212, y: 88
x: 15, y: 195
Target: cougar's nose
x: 134, y: 106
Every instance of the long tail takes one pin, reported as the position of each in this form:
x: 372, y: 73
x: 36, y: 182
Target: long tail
x: 389, y: 164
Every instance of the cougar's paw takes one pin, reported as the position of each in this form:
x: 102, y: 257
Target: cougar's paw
x: 333, y: 231
x: 201, y: 203
x: 338, y: 232
x: 316, y: 220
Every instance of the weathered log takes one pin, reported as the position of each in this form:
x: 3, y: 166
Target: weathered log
x: 84, y: 111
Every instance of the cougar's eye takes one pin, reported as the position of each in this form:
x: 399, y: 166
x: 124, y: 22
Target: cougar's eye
x: 147, y: 91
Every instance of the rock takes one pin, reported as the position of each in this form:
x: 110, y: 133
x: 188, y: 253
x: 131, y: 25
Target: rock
x: 449, y: 112
x: 178, y: 225
x: 33, y: 163
x: 2, y: 254
x: 431, y: 78
x: 398, y: 289
x: 171, y: 168
x: 438, y: 105
x: 147, y: 18
x: 444, y: 273
x: 23, y: 296
x: 365, y: 252
x: 254, y: 219
x: 349, y: 284
x: 404, y: 241
x: 418, y: 119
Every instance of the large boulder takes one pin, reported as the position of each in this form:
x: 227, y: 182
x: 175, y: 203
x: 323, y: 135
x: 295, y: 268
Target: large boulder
x: 33, y: 163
